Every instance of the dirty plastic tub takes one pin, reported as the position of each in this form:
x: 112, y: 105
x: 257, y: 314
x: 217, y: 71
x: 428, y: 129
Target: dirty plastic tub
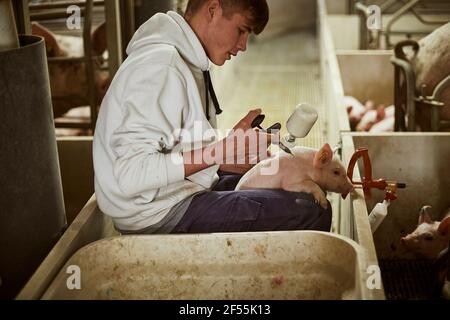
x: 262, y: 265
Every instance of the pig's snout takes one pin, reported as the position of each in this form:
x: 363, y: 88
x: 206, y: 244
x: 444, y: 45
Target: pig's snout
x: 349, y: 187
x: 409, y: 241
x: 403, y: 241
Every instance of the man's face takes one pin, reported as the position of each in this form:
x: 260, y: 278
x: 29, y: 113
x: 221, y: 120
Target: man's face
x: 226, y: 36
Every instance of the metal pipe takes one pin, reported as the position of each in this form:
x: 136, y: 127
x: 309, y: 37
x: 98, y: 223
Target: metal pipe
x: 410, y: 89
x: 435, y: 121
x: 440, y: 87
x: 55, y: 14
x: 8, y: 32
x: 65, y: 59
x: 363, y: 13
x: 396, y: 16
x: 88, y: 61
x: 385, y: 6
x: 63, y: 4
x: 37, y: 13
x: 437, y: 22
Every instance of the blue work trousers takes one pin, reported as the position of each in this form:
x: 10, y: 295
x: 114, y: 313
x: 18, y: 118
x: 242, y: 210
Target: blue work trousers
x: 226, y: 210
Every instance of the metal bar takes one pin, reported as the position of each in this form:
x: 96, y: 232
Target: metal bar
x: 435, y: 121
x: 65, y: 59
x: 128, y: 20
x: 435, y: 118
x: 417, y: 15
x: 63, y: 4
x: 8, y: 32
x: 73, y: 124
x: 410, y: 89
x: 399, y: 123
x: 396, y: 16
x: 113, y: 34
x: 407, y: 32
x: 387, y: 5
x: 364, y: 37
x: 92, y: 92
x: 440, y: 87
x: 22, y: 17
x: 70, y: 96
x: 55, y: 14
x: 57, y: 10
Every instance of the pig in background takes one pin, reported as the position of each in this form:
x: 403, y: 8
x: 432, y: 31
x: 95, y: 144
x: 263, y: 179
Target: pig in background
x: 68, y: 79
x: 431, y: 65
x: 367, y: 117
x: 430, y: 237
x: 309, y: 170
x: 79, y: 113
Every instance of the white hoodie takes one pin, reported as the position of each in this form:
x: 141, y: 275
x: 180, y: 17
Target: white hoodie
x: 139, y: 171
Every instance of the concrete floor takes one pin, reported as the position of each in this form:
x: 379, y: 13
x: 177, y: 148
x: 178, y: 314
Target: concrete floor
x: 273, y: 74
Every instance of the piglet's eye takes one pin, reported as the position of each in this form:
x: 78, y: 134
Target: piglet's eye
x: 336, y: 172
x: 429, y: 238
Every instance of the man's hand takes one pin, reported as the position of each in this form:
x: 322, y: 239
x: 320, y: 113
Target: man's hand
x: 238, y: 152
x: 243, y: 145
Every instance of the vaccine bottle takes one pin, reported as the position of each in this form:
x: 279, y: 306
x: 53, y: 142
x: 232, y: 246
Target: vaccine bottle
x: 379, y: 212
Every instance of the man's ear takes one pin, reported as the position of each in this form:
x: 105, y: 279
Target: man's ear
x: 51, y: 45
x: 323, y: 156
x: 213, y: 7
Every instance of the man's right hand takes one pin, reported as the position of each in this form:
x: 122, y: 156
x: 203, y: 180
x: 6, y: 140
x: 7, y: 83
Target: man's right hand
x: 243, y: 145
x: 238, y: 152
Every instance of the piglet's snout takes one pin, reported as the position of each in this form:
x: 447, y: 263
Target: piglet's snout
x: 408, y: 241
x: 347, y: 189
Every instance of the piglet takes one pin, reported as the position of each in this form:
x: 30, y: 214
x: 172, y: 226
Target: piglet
x: 370, y: 118
x: 430, y: 237
x: 308, y: 170
x: 76, y: 114
x: 355, y: 110
x: 387, y: 124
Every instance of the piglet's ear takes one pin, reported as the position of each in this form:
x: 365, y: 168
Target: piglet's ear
x: 444, y: 226
x: 52, y: 46
x: 424, y: 215
x: 323, y: 156
x: 349, y: 109
x: 98, y: 39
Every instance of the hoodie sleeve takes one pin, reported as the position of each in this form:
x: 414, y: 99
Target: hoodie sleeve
x: 152, y: 109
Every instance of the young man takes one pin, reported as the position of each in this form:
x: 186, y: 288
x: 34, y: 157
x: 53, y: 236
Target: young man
x: 154, y: 172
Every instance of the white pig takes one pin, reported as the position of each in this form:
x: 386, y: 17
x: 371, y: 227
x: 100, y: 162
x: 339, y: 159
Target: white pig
x: 370, y: 118
x: 309, y: 170
x: 430, y: 237
x: 79, y: 113
x: 356, y: 110
x: 69, y: 78
x: 431, y: 65
x: 387, y: 124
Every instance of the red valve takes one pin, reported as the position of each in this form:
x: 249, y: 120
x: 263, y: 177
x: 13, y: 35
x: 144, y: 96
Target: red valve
x: 367, y: 182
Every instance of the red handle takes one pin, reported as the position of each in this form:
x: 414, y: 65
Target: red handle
x: 367, y: 182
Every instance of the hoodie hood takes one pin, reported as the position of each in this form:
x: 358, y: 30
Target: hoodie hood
x: 171, y: 29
